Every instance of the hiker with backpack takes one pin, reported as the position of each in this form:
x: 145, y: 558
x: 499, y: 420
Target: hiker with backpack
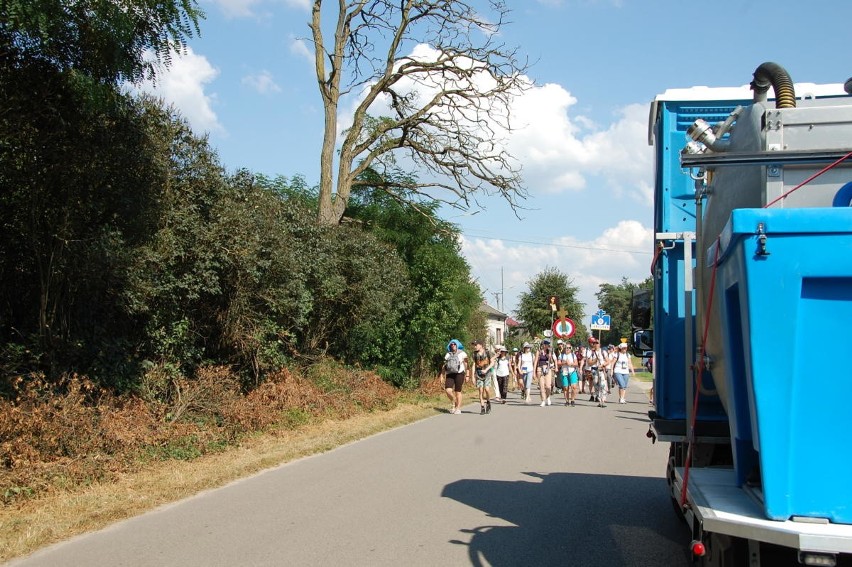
x: 482, y: 367
x: 455, y: 372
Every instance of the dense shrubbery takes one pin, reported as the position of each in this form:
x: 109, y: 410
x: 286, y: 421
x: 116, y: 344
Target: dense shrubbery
x: 151, y: 303
x: 173, y: 264
x: 67, y: 433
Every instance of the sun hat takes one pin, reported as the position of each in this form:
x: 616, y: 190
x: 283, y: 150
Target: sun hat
x: 527, y: 345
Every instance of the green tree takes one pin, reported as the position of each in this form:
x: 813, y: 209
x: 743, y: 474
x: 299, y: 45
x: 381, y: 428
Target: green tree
x: 106, y: 41
x: 534, y: 304
x: 444, y: 303
x: 615, y: 300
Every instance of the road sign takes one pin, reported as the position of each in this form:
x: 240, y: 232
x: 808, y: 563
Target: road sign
x: 564, y: 328
x: 600, y: 321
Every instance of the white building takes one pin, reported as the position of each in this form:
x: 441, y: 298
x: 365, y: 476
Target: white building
x: 495, y: 325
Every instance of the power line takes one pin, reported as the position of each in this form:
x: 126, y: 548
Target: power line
x: 596, y: 248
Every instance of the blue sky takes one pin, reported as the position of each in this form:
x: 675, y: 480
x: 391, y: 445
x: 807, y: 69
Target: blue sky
x: 249, y: 82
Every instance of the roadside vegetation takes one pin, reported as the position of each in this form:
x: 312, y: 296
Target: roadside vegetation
x: 81, y: 466
x: 167, y: 325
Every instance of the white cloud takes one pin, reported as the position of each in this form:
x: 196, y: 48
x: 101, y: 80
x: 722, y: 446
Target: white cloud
x: 183, y: 84
x: 558, y: 149
x: 299, y: 48
x: 261, y: 82
x: 623, y: 250
x: 590, y: 173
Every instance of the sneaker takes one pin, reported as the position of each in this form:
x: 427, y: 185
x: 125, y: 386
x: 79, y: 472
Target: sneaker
x: 592, y: 398
x: 572, y: 403
x: 622, y: 401
x: 548, y: 400
x: 599, y: 404
x: 542, y: 404
x: 603, y: 404
x: 488, y: 407
x: 481, y: 410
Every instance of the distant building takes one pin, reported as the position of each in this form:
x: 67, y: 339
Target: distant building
x: 495, y: 324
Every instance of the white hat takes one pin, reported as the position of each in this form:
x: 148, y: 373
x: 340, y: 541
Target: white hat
x: 622, y: 345
x: 560, y: 342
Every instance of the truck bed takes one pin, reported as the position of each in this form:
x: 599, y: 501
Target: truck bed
x: 724, y: 508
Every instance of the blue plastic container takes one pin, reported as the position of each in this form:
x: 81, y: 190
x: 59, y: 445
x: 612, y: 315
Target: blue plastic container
x: 786, y: 318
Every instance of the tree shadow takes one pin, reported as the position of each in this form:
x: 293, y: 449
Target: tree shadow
x: 576, y: 519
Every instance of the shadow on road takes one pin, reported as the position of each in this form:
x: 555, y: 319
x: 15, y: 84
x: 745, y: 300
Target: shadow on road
x: 575, y: 519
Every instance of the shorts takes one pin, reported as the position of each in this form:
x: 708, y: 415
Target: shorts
x: 483, y: 381
x: 454, y: 381
x: 622, y: 380
x: 568, y: 379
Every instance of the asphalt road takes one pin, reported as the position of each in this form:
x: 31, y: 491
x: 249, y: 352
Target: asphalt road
x: 524, y: 485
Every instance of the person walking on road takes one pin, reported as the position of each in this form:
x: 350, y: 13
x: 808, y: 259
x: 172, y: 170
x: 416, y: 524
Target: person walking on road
x: 567, y: 365
x: 588, y: 360
x: 526, y: 367
x: 596, y: 362
x: 622, y: 368
x: 455, y: 371
x: 544, y: 365
x: 482, y: 366
x: 503, y: 369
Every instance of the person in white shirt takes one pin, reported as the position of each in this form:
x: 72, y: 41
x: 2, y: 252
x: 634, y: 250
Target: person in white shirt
x: 526, y: 366
x: 567, y: 365
x: 455, y: 371
x: 502, y: 369
x: 622, y: 367
x: 597, y: 361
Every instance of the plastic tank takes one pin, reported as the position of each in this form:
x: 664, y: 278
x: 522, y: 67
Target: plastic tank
x: 783, y: 273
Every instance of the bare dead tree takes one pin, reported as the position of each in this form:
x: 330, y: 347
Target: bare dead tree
x: 434, y: 86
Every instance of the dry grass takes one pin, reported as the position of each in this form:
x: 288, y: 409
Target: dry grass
x: 30, y: 524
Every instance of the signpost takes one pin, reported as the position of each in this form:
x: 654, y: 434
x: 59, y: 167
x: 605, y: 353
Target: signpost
x: 563, y: 327
x: 600, y: 321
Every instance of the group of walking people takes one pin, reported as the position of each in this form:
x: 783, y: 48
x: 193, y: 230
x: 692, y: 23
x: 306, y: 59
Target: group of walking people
x: 560, y: 369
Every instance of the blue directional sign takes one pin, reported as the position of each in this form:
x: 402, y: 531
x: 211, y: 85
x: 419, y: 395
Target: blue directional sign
x: 600, y: 321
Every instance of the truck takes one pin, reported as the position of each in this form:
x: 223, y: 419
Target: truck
x: 749, y: 318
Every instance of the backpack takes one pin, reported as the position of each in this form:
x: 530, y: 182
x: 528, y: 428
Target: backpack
x: 453, y: 364
x: 482, y: 361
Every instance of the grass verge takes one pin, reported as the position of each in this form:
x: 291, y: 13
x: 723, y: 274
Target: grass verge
x: 35, y: 523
